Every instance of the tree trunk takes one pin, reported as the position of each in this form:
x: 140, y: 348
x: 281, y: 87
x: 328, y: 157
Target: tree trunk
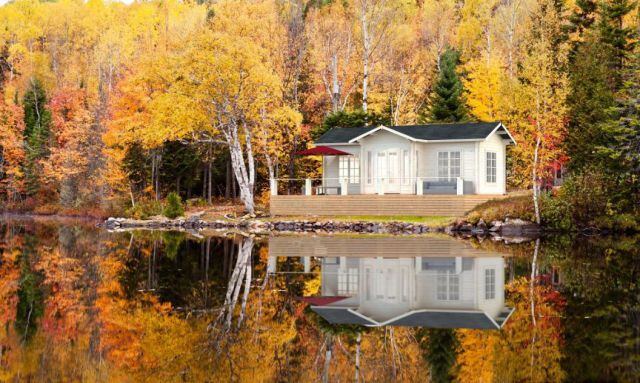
x: 536, y: 186
x: 209, y: 186
x: 365, y: 55
x: 327, y: 358
x: 204, y: 182
x: 245, y: 173
x: 358, y: 343
x: 228, y: 179
x: 335, y: 90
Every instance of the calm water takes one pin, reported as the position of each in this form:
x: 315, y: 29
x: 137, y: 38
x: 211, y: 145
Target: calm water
x: 81, y: 304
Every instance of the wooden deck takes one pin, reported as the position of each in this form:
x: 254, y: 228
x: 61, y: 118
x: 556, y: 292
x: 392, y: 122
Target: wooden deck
x: 371, y: 204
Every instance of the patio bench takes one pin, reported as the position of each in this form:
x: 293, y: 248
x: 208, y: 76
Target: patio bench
x: 440, y: 187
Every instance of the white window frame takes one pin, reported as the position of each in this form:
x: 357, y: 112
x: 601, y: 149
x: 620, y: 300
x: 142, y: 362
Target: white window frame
x: 406, y: 166
x: 489, y: 284
x: 449, y: 168
x: 491, y: 167
x: 369, y: 167
x: 349, y: 168
x: 447, y: 286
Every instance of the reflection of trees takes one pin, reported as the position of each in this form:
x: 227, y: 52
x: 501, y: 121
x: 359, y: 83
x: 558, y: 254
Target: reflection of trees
x: 241, y: 276
x: 600, y: 280
x: 439, y: 347
x: 30, y: 305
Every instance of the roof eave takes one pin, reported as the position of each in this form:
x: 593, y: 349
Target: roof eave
x: 501, y: 125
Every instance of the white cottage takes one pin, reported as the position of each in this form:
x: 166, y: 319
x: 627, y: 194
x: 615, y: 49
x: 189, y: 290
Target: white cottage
x: 453, y: 158
x: 423, y: 281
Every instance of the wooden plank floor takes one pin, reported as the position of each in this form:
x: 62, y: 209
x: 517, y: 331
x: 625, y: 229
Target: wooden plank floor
x: 371, y: 204
x: 371, y: 247
x: 364, y: 204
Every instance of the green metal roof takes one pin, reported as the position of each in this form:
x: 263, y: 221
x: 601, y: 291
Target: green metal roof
x: 427, y: 132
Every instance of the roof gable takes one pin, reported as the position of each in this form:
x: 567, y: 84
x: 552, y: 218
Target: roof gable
x: 466, y: 131
x: 342, y: 135
x: 415, y: 318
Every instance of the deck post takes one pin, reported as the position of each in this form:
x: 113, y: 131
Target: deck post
x: 344, y: 187
x: 307, y: 186
x: 380, y: 186
x: 460, y: 186
x: 273, y: 185
x: 419, y: 188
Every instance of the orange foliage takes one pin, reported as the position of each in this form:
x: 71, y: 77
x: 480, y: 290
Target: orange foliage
x: 12, y: 153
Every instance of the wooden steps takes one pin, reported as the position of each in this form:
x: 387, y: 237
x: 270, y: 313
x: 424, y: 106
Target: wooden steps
x: 371, y: 204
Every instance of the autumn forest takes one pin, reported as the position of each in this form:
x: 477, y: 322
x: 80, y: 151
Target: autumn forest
x: 106, y: 106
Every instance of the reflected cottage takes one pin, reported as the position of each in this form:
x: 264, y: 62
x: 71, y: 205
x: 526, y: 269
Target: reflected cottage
x: 432, y: 282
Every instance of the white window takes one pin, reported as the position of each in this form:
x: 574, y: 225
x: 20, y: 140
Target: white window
x: 348, y: 282
x: 492, y: 166
x: 369, y: 166
x: 406, y: 167
x: 489, y: 284
x: 393, y: 167
x: 448, y: 165
x: 382, y: 167
x: 448, y: 286
x: 349, y: 168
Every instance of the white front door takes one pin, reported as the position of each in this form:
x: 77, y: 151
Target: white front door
x: 389, y: 281
x: 388, y: 170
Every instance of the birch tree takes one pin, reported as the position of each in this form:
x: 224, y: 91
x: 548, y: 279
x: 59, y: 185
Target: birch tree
x: 229, y: 78
x: 375, y: 17
x: 333, y: 51
x: 544, y: 89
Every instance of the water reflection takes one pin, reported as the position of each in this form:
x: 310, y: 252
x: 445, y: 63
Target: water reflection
x: 425, y: 287
x: 81, y: 304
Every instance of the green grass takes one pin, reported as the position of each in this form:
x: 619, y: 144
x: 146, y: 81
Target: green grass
x: 425, y: 220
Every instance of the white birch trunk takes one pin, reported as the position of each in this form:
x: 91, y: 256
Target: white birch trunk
x: 366, y: 51
x: 536, y: 186
x: 244, y: 176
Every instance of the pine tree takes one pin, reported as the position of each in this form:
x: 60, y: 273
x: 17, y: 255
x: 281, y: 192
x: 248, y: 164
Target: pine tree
x: 36, y: 133
x: 448, y: 103
x: 440, y: 348
x: 616, y: 37
x: 596, y: 79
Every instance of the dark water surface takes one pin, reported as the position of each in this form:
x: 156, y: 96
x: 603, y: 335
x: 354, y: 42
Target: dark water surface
x: 78, y: 303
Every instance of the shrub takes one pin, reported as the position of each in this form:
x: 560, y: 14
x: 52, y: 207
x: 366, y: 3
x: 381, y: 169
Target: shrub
x: 555, y: 212
x: 174, y: 207
x: 144, y: 209
x: 619, y: 223
x: 499, y: 209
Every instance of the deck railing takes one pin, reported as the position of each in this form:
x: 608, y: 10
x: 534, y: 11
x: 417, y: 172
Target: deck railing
x: 340, y: 186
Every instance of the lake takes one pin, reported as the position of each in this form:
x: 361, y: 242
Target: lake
x: 79, y: 303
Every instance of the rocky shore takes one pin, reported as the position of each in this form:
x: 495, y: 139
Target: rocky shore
x: 508, y: 228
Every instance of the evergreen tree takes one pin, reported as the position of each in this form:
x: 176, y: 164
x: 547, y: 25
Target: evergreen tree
x: 37, y: 131
x: 440, y: 349
x: 619, y: 150
x: 589, y: 99
x: 616, y: 37
x: 580, y: 22
x: 349, y: 119
x: 596, y: 78
x: 448, y: 103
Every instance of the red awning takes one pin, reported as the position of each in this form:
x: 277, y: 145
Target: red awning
x: 322, y: 151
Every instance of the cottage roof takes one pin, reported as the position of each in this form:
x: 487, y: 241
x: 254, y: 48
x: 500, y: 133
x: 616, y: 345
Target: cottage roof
x: 417, y: 318
x: 462, y: 131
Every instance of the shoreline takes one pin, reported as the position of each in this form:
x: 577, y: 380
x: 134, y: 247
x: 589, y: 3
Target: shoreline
x: 509, y: 228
